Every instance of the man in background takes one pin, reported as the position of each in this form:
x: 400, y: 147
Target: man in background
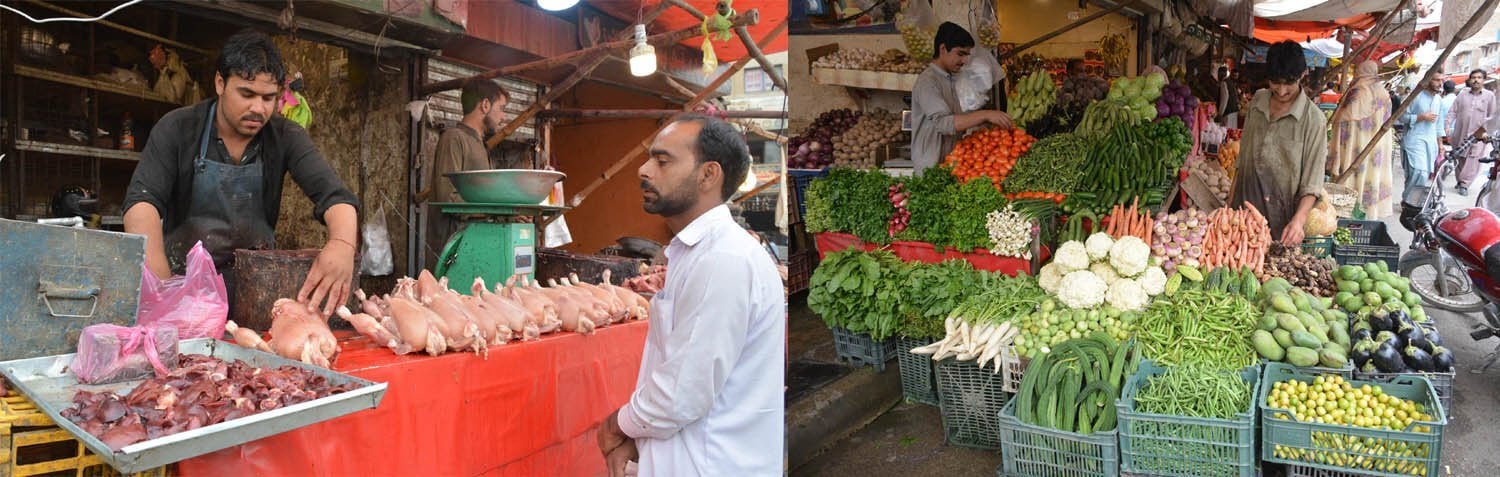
x: 1424, y: 123
x: 1229, y: 99
x: 461, y: 148
x: 937, y: 119
x: 1472, y: 110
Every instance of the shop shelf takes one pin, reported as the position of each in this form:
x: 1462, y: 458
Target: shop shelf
x: 969, y: 399
x: 1167, y: 445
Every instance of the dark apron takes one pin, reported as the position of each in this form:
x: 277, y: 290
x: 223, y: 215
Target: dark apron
x: 225, y: 212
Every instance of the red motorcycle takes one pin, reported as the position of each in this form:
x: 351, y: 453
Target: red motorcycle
x: 1454, y: 261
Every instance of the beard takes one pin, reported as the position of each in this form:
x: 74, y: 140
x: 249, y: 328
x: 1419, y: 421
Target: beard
x: 667, y: 205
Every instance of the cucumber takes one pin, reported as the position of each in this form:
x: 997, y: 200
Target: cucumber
x: 1190, y: 272
x: 1301, y: 357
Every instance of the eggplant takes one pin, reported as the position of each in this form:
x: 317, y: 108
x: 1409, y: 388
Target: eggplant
x: 1369, y: 367
x: 1399, y: 316
x: 1442, y: 360
x: 1412, y: 335
x: 1417, y: 359
x: 1434, y: 338
x: 1362, y: 351
x: 1381, y: 321
x: 1387, y: 359
x: 1388, y: 337
x: 1361, y: 334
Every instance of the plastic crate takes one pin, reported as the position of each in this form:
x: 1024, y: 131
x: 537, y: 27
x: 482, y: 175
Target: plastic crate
x: 1320, y: 247
x: 860, y: 350
x: 32, y: 445
x: 969, y: 398
x: 1372, y: 242
x: 1441, y: 382
x: 917, y: 380
x: 1012, y: 366
x: 799, y: 268
x: 1033, y: 451
x: 801, y: 178
x: 1168, y: 445
x: 1323, y: 445
x: 1347, y: 371
x: 1304, y: 471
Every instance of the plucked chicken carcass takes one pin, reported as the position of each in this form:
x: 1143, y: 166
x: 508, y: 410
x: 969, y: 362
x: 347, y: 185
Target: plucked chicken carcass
x: 651, y: 280
x: 425, y: 315
x: 296, y: 333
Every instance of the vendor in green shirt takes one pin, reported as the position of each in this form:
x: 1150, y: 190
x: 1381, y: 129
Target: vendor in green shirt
x: 1283, y: 148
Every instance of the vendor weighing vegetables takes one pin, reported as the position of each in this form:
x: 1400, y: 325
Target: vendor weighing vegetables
x: 212, y: 172
x: 1284, y: 146
x: 937, y: 119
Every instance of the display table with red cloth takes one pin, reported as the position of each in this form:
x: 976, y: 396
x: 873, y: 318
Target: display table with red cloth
x: 829, y: 242
x: 530, y: 409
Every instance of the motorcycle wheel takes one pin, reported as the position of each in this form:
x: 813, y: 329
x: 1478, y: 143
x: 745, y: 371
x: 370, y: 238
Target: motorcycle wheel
x: 1417, y: 267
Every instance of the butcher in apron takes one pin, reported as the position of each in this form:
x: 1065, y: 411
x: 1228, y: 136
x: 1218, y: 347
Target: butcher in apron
x: 213, y: 172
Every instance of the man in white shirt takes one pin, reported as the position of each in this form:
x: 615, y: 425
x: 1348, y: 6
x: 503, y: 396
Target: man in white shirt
x: 708, y: 400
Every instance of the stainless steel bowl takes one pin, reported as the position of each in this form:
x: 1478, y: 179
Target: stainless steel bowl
x: 505, y: 186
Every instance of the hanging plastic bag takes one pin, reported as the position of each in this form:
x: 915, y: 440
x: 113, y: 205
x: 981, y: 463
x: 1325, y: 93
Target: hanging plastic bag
x: 112, y: 353
x: 195, y: 304
x: 376, y: 259
x: 557, y: 232
x: 986, y: 24
x: 918, y: 25
x: 975, y: 80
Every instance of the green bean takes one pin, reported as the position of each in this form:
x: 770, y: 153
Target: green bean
x: 1197, y: 327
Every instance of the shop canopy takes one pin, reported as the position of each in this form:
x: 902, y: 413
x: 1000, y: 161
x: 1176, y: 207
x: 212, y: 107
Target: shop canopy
x: 772, y: 15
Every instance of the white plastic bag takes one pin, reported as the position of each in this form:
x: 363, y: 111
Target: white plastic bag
x: 557, y: 231
x: 376, y: 260
x: 976, y: 79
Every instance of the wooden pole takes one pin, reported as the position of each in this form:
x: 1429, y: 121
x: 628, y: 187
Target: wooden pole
x: 646, y: 143
x: 622, y: 40
x: 651, y: 113
x: 1465, y: 32
x: 758, y: 189
x: 750, y: 17
x: 760, y: 57
x: 1066, y: 28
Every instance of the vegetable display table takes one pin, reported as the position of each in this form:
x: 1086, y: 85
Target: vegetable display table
x: 829, y: 242
x: 529, y: 409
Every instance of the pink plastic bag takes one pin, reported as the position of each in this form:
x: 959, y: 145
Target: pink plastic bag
x: 113, y: 353
x: 196, y: 304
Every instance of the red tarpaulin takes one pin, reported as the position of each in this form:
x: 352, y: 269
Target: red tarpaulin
x: 529, y: 409
x: 1272, y: 31
x: 829, y: 242
x: 772, y: 14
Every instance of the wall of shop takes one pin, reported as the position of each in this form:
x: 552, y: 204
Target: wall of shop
x: 1020, y: 21
x: 584, y: 149
x: 360, y: 125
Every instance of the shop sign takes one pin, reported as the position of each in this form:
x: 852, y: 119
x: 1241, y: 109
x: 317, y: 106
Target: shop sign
x: 1255, y: 54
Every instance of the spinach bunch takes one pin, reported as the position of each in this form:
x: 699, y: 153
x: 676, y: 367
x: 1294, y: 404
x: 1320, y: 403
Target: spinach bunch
x: 972, y: 204
x: 859, y: 291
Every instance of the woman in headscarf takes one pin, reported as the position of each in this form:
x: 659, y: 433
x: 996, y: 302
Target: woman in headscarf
x: 1354, y: 126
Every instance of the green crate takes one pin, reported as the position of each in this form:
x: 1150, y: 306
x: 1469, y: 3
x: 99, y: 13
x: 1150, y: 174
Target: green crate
x: 1034, y: 451
x: 918, y: 382
x: 1279, y: 430
x: 1303, y: 471
x: 860, y: 350
x: 1347, y: 371
x: 969, y: 397
x: 1441, y: 382
x: 1167, y: 445
x: 1320, y: 247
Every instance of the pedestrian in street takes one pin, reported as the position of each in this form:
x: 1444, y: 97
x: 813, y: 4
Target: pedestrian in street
x: 1367, y: 107
x: 1424, y: 123
x: 1284, y: 147
x: 709, y: 397
x: 1472, y: 109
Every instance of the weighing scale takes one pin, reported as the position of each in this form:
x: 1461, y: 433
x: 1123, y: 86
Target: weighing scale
x: 494, y: 244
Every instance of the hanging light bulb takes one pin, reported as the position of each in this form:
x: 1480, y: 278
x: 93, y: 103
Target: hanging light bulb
x: 556, y: 5
x: 642, y: 56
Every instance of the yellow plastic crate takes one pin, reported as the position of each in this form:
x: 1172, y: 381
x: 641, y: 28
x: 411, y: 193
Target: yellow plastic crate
x: 32, y: 445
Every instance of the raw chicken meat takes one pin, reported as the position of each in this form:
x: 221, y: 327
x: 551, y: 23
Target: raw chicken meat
x: 301, y: 335
x: 637, y: 306
x: 246, y: 337
x: 418, y: 326
x: 368, y: 326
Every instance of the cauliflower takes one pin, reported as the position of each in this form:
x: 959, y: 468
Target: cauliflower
x: 1098, y: 246
x: 1153, y: 280
x: 1049, y: 277
x: 1127, y: 295
x: 1081, y: 289
x: 1129, y: 256
x: 1072, y: 256
x: 1105, y: 272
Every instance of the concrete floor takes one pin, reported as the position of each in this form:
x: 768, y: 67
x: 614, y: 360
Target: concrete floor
x: 908, y: 439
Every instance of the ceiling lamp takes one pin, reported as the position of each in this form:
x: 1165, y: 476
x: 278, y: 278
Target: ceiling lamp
x: 642, y: 55
x: 556, y: 5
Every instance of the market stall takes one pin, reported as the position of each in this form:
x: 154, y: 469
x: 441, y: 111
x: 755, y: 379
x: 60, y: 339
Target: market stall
x: 1164, y: 331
